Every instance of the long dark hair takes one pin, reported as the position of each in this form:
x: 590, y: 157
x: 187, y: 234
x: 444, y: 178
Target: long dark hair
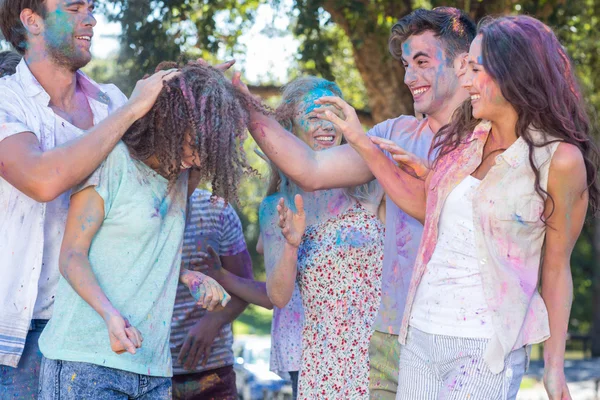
x: 203, y: 103
x: 536, y: 77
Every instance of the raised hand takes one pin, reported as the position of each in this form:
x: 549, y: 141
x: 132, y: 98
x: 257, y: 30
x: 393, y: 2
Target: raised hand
x: 221, y: 67
x: 207, y: 292
x: 350, y: 127
x: 402, y: 157
x: 208, y: 263
x: 146, y: 91
x: 292, y: 224
x: 123, y: 337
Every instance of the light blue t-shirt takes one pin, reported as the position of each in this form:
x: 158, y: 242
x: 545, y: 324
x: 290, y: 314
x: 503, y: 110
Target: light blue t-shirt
x: 402, y: 232
x: 136, y: 256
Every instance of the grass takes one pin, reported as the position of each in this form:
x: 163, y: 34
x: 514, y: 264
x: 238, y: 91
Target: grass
x: 253, y: 321
x: 528, y: 383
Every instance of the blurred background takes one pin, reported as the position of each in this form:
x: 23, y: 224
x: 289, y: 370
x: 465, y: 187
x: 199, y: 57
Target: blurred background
x: 346, y: 41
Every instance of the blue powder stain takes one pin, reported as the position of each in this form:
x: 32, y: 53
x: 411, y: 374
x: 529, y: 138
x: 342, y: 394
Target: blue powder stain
x: 309, y: 99
x: 405, y: 49
x: 161, y: 208
x: 480, y: 60
x: 519, y: 219
x: 350, y: 237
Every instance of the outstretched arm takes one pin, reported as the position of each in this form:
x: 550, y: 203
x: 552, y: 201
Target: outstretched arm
x: 280, y: 283
x: 245, y: 288
x: 44, y: 175
x: 405, y: 189
x: 311, y: 170
x: 86, y: 214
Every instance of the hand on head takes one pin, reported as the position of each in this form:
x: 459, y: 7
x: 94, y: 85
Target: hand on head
x: 350, y: 127
x: 292, y: 224
x: 146, y: 91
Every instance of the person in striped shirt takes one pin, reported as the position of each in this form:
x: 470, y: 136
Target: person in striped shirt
x: 201, y: 341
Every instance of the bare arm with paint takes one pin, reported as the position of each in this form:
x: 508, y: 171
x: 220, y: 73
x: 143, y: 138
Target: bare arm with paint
x: 311, y: 170
x: 86, y: 214
x: 207, y: 292
x: 242, y: 286
x: 44, y: 175
x: 281, y: 281
x: 406, y: 189
x: 198, y: 342
x: 567, y: 185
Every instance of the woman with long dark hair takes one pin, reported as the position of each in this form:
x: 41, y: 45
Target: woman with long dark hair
x: 506, y: 196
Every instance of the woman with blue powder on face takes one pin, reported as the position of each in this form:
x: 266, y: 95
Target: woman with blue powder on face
x: 121, y: 254
x: 326, y: 288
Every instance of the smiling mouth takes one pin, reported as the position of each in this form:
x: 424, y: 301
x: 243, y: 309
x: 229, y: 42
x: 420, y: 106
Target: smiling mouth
x: 475, y: 97
x: 185, y: 165
x: 325, y: 139
x: 419, y: 91
x: 84, y: 38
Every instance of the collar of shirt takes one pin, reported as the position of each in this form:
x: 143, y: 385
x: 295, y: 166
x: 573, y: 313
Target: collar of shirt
x: 33, y: 88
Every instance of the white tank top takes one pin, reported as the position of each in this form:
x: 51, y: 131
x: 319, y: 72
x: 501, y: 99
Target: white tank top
x: 450, y: 299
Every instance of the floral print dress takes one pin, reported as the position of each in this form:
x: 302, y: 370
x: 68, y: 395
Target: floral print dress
x: 339, y: 276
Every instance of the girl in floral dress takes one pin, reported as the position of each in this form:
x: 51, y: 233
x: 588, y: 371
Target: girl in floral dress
x: 337, y: 265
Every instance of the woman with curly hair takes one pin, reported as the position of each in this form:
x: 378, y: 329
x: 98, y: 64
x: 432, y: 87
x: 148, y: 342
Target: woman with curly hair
x: 504, y: 203
x: 121, y: 254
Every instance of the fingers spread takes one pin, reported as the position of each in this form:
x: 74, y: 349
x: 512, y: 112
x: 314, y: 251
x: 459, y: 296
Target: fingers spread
x: 333, y: 100
x: 225, y: 66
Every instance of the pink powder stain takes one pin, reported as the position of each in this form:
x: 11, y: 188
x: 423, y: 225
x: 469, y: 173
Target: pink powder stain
x: 335, y: 204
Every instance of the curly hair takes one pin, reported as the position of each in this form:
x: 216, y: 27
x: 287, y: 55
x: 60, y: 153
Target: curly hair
x: 536, y: 76
x: 8, y: 62
x: 202, y: 107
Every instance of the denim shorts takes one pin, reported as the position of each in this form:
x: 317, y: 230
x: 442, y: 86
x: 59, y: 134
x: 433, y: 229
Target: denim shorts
x: 69, y: 380
x: 440, y: 367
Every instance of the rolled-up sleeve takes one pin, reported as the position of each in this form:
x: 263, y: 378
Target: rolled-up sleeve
x: 12, y: 115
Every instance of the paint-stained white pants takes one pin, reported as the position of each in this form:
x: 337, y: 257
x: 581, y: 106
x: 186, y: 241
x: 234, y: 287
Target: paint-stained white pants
x: 435, y: 367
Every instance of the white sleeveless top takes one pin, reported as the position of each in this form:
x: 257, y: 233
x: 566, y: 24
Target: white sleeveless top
x: 450, y: 299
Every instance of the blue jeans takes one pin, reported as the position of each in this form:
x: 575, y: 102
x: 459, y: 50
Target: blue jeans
x: 22, y: 382
x: 68, y: 380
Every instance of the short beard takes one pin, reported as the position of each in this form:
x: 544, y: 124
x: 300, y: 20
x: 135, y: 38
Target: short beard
x: 67, y: 57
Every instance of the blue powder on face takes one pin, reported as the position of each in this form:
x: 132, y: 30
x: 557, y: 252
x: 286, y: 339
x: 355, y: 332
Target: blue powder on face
x: 406, y: 49
x: 308, y: 101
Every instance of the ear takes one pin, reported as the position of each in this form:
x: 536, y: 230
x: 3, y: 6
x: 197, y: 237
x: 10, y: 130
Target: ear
x: 461, y: 64
x: 31, y: 21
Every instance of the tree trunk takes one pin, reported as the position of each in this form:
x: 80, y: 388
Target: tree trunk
x: 595, y: 333
x: 382, y: 76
